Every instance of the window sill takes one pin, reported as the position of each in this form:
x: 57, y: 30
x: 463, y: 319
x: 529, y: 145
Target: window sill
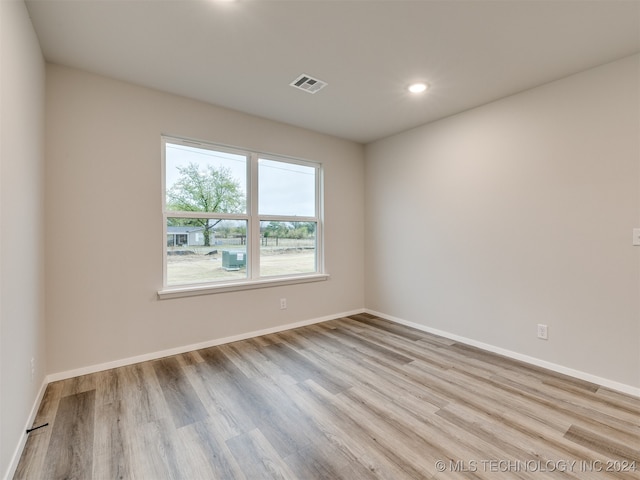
x: 190, y: 291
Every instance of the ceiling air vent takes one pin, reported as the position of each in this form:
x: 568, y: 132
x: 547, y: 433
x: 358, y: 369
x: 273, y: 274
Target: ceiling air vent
x: 308, y: 84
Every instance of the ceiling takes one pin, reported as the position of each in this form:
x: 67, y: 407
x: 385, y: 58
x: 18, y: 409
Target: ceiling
x: 243, y: 55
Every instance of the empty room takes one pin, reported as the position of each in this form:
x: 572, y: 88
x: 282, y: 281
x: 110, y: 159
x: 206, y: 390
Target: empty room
x: 319, y: 239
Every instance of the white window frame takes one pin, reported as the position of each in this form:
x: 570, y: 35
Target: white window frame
x: 253, y: 219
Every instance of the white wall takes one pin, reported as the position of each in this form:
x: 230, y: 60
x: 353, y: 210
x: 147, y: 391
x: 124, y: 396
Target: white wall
x: 22, y: 82
x: 104, y: 223
x: 520, y: 212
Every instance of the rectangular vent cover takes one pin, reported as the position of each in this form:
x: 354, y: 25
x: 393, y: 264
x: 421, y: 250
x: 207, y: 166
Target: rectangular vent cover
x: 308, y: 83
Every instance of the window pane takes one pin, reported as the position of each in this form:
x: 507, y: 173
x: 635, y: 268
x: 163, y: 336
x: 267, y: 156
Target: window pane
x: 287, y: 248
x: 201, y: 180
x: 203, y: 250
x: 286, y: 189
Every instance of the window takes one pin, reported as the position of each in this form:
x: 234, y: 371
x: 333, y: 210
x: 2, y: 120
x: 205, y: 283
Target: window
x: 238, y: 218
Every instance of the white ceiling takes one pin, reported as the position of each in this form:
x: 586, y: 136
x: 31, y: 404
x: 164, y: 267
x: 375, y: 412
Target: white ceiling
x: 243, y: 55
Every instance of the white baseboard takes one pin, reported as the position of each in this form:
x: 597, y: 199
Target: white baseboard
x: 13, y: 465
x: 188, y: 348
x: 605, y: 382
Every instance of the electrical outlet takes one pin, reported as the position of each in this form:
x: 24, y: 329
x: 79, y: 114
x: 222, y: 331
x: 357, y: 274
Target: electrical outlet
x: 543, y: 332
x: 283, y: 304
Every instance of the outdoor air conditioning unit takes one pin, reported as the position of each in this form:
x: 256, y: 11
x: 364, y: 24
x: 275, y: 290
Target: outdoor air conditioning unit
x: 233, y: 260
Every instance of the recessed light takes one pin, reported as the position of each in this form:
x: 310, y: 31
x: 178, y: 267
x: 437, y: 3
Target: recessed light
x: 417, y: 87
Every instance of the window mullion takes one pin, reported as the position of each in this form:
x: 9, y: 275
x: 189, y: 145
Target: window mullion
x: 287, y: 218
x: 224, y: 216
x: 254, y: 219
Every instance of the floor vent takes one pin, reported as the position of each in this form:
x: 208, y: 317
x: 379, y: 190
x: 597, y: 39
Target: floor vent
x: 308, y: 84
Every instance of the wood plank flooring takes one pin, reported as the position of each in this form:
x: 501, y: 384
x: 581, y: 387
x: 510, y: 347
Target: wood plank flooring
x: 353, y: 398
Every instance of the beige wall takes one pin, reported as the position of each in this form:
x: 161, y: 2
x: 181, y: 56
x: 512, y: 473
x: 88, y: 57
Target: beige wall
x: 22, y: 77
x: 516, y: 213
x: 104, y: 223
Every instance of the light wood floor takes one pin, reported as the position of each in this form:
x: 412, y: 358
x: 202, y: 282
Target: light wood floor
x: 353, y: 398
